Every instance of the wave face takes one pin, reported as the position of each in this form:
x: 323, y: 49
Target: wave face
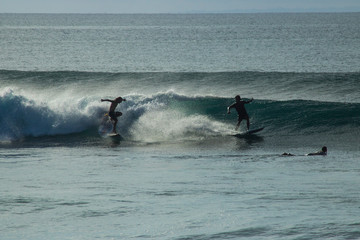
x: 331, y: 87
x: 177, y: 106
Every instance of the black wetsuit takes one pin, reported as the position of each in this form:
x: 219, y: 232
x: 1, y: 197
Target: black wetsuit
x: 112, y: 115
x: 240, y: 108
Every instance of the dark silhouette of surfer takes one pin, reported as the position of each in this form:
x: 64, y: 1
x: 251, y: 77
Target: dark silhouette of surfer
x: 112, y: 114
x: 322, y: 152
x: 239, y: 106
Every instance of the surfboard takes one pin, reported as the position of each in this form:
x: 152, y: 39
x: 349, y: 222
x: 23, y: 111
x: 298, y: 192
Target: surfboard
x: 249, y: 133
x: 254, y: 130
x: 114, y: 135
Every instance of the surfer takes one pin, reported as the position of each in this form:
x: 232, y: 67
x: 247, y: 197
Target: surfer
x: 239, y: 105
x: 322, y: 152
x: 112, y: 114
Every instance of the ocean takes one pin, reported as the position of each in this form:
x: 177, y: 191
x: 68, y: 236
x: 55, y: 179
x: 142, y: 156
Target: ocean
x: 178, y: 172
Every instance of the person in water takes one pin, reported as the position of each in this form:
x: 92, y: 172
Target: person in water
x: 322, y: 152
x: 112, y: 114
x: 239, y: 105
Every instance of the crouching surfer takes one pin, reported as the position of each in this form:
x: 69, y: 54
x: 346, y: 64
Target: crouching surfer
x: 112, y: 114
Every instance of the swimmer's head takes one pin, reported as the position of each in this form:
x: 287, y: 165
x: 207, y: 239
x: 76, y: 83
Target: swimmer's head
x: 324, y: 149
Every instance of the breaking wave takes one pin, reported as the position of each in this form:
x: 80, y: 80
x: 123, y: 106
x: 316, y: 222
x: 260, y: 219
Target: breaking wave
x: 170, y: 116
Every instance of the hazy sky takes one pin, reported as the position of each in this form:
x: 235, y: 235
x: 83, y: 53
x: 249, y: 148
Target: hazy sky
x: 175, y: 6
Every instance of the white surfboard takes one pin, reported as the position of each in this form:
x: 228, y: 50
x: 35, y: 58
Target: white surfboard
x: 113, y: 135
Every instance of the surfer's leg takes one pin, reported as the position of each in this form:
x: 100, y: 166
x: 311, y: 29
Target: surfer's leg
x: 114, y: 119
x: 238, y: 124
x: 248, y: 122
x: 115, y: 122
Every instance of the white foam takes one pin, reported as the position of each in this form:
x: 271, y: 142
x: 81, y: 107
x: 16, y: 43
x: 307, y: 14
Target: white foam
x: 172, y: 125
x: 144, y: 118
x: 22, y: 116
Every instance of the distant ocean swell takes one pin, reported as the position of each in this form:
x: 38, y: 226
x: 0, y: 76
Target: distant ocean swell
x: 331, y: 87
x: 170, y: 116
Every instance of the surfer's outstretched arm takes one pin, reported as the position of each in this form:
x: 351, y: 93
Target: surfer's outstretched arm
x: 107, y: 100
x: 117, y: 100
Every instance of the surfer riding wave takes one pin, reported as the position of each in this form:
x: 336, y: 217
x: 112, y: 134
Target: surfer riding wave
x: 112, y: 114
x: 239, y: 105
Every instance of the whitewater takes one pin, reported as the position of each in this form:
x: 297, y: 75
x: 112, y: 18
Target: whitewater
x: 178, y: 172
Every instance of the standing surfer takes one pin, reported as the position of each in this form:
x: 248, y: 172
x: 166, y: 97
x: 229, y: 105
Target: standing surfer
x: 239, y: 105
x: 112, y: 114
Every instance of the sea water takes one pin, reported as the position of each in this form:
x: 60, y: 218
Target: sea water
x: 178, y: 172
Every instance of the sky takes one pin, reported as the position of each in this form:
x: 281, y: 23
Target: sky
x: 176, y: 6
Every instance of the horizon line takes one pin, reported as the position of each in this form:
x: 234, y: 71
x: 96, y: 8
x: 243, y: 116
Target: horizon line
x: 198, y: 12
